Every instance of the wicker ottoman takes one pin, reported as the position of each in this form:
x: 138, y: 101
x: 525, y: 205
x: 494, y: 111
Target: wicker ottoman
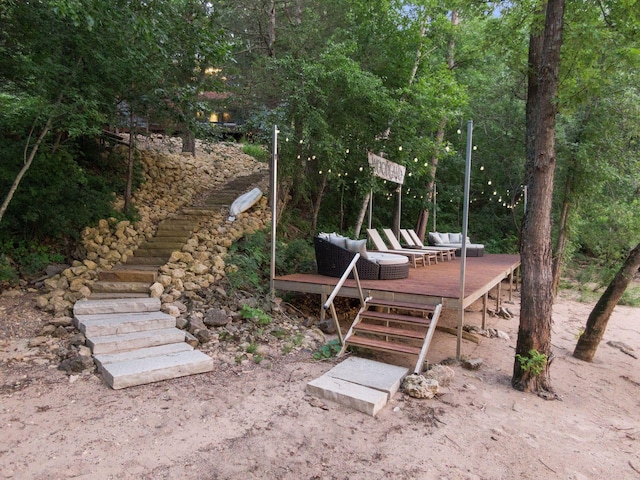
x: 391, y: 266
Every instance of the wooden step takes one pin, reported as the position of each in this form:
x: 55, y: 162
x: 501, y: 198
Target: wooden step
x: 154, y: 252
x: 401, y: 305
x: 120, y: 274
x: 382, y: 345
x: 389, y: 331
x: 120, y: 287
x: 157, y: 261
x: 116, y: 295
x: 395, y: 317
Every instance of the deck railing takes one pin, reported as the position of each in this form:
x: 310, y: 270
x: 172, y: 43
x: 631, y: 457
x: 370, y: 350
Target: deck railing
x: 328, y: 305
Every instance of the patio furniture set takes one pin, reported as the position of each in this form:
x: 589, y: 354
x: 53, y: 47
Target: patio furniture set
x: 334, y: 253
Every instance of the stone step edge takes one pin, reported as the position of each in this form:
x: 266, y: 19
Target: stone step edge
x: 155, y: 369
x: 134, y: 340
x: 113, y: 305
x: 102, y: 324
x: 170, y: 348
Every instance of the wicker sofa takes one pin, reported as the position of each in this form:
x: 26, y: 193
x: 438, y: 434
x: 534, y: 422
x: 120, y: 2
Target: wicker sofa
x: 454, y: 240
x: 333, y: 259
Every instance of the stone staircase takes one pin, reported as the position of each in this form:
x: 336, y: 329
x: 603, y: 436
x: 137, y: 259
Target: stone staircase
x: 132, y: 341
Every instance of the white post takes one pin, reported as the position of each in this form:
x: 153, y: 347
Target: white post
x: 465, y: 224
x: 274, y: 210
x: 370, y: 207
x: 435, y: 205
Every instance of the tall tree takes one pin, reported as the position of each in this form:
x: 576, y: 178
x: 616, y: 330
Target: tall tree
x: 599, y: 316
x: 534, y: 333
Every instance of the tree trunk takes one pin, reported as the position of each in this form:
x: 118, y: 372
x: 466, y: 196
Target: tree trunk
x: 317, y: 204
x: 563, y: 234
x: 599, y: 316
x: 189, y: 142
x: 130, y: 162
x: 534, y: 332
x: 363, y: 212
x: 28, y: 159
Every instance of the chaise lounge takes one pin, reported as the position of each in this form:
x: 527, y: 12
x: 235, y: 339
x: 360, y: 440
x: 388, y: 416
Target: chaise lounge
x: 454, y: 240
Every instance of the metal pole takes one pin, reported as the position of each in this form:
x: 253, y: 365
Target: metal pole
x: 465, y: 224
x: 370, y: 207
x: 274, y: 210
x: 396, y: 227
x: 435, y: 205
x: 525, y: 199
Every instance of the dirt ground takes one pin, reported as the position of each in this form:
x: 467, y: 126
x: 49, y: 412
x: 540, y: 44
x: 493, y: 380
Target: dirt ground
x: 256, y: 421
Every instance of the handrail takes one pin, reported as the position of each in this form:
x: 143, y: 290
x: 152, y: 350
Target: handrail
x: 328, y: 305
x: 343, y: 279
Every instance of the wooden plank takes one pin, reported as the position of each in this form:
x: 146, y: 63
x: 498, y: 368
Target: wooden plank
x: 401, y: 305
x: 396, y: 317
x: 383, y: 346
x: 466, y: 335
x: 390, y: 331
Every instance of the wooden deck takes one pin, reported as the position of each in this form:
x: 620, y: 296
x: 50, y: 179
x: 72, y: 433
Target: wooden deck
x: 426, y: 285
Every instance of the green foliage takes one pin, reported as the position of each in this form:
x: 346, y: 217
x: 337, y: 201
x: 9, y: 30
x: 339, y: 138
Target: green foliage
x: 328, y: 350
x: 256, y: 151
x: 534, y: 364
x: 252, y: 313
x: 29, y: 259
x: 631, y: 297
x: 8, y: 271
x: 248, y: 260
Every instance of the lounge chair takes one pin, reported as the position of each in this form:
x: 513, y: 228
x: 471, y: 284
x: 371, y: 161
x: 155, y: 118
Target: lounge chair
x: 395, y: 244
x: 411, y: 238
x: 413, y: 256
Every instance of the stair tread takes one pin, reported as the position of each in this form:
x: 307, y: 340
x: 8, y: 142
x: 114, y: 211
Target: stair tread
x: 391, y: 331
x: 124, y: 305
x: 134, y: 340
x: 383, y: 345
x: 105, y: 286
x: 402, y: 305
x: 116, y: 295
x: 110, y: 324
x: 154, y: 369
x: 169, y: 348
x: 395, y: 317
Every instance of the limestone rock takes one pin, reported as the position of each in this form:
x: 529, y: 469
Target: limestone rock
x: 216, y: 317
x: 417, y: 386
x: 442, y: 374
x: 471, y: 363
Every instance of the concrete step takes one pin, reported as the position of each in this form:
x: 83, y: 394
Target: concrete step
x: 102, y: 286
x: 125, y: 305
x: 107, y: 358
x: 362, y: 384
x: 129, y: 274
x: 155, y: 368
x: 133, y: 340
x: 102, y: 324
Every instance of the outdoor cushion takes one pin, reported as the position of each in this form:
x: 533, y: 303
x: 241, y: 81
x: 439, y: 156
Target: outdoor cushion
x: 387, y: 258
x: 435, y: 238
x: 357, y: 246
x: 334, y: 238
x: 455, y: 238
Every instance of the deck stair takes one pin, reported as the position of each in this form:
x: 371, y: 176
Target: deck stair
x: 134, y: 343
x: 394, y: 327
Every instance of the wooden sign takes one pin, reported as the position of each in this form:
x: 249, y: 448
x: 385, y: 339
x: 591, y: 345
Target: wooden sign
x: 385, y: 169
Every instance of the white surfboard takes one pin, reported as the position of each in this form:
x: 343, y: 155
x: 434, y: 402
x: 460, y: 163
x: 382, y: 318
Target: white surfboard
x: 244, y: 202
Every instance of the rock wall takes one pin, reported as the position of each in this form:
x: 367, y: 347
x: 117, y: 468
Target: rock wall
x: 171, y: 181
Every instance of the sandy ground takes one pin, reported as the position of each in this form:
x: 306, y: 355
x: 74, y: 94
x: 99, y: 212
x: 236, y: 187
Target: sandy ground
x: 253, y: 422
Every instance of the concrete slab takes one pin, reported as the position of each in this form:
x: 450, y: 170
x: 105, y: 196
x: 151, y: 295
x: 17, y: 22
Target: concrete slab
x: 122, y: 305
x: 107, y: 358
x: 130, y: 341
x: 364, y: 399
x: 369, y: 373
x: 101, y: 324
x: 155, y: 369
